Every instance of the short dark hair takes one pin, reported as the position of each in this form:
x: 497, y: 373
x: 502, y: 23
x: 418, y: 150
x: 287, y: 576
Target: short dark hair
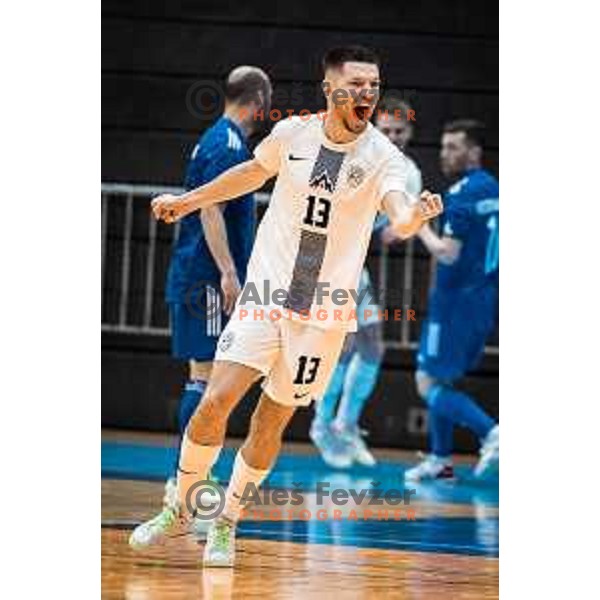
x: 246, y: 85
x: 474, y: 130
x: 336, y: 57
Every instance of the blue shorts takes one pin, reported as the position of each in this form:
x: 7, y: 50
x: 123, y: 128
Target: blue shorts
x: 195, y: 330
x: 454, y: 334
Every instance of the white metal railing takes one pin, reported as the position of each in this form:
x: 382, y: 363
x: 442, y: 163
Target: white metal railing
x: 129, y: 200
x: 135, y: 255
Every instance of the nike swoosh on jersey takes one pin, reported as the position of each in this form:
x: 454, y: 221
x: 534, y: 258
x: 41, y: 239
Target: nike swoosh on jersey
x: 292, y: 157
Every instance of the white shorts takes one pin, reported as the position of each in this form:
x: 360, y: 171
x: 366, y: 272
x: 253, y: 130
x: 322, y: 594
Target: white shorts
x: 296, y: 359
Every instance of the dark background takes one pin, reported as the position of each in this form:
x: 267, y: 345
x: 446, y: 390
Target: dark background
x: 443, y: 55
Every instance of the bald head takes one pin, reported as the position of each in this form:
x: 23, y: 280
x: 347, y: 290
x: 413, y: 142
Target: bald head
x: 247, y: 84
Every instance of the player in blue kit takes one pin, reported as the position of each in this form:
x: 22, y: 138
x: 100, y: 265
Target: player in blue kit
x: 209, y: 259
x: 462, y: 304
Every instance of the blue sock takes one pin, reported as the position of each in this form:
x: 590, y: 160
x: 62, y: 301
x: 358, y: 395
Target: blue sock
x: 460, y: 409
x: 325, y: 407
x: 358, y: 387
x: 441, y: 432
x: 192, y: 394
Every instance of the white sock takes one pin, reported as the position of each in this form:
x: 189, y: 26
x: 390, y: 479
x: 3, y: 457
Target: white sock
x: 195, y: 462
x: 242, y: 475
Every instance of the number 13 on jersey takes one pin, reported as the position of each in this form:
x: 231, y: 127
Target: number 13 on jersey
x: 318, y: 211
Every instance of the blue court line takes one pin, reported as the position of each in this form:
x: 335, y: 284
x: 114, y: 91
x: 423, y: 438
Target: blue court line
x: 456, y: 535
x: 154, y: 463
x: 453, y: 536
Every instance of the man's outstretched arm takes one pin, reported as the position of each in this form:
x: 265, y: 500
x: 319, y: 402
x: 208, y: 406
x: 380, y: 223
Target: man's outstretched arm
x: 233, y: 183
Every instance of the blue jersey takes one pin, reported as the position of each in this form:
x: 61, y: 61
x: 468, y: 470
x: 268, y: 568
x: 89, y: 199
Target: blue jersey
x: 220, y: 148
x: 471, y: 216
x: 462, y: 305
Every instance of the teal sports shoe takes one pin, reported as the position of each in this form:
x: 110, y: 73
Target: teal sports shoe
x: 335, y: 451
x: 354, y: 439
x: 489, y: 458
x: 431, y: 468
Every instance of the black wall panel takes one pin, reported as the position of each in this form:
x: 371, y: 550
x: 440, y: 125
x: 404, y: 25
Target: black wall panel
x: 471, y: 18
x: 441, y: 55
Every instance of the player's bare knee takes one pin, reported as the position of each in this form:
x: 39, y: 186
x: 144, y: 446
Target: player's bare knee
x: 194, y: 428
x: 376, y: 349
x: 200, y: 369
x: 211, y: 414
x: 349, y: 345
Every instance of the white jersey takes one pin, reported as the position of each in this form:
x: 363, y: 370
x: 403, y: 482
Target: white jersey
x: 311, y: 244
x: 414, y: 187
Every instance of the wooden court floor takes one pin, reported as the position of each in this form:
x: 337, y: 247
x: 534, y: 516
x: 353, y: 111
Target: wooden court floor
x: 289, y: 567
x: 267, y: 569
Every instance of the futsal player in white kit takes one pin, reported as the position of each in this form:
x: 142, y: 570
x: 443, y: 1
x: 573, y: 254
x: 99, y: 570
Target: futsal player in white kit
x: 335, y: 172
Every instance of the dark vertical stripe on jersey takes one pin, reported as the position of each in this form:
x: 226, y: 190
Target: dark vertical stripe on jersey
x: 311, y: 249
x: 307, y: 267
x: 326, y: 169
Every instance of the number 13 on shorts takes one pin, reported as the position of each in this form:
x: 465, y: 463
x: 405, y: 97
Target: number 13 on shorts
x: 302, y: 371
x: 307, y: 369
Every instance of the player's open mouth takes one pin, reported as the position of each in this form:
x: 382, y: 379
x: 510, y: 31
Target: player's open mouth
x: 362, y: 112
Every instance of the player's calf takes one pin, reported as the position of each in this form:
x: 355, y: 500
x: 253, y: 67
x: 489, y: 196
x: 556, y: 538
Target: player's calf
x: 266, y: 430
x: 202, y: 443
x: 252, y: 465
x: 205, y: 433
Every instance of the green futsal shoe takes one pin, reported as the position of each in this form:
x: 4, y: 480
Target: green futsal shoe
x: 220, y: 544
x: 169, y: 523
